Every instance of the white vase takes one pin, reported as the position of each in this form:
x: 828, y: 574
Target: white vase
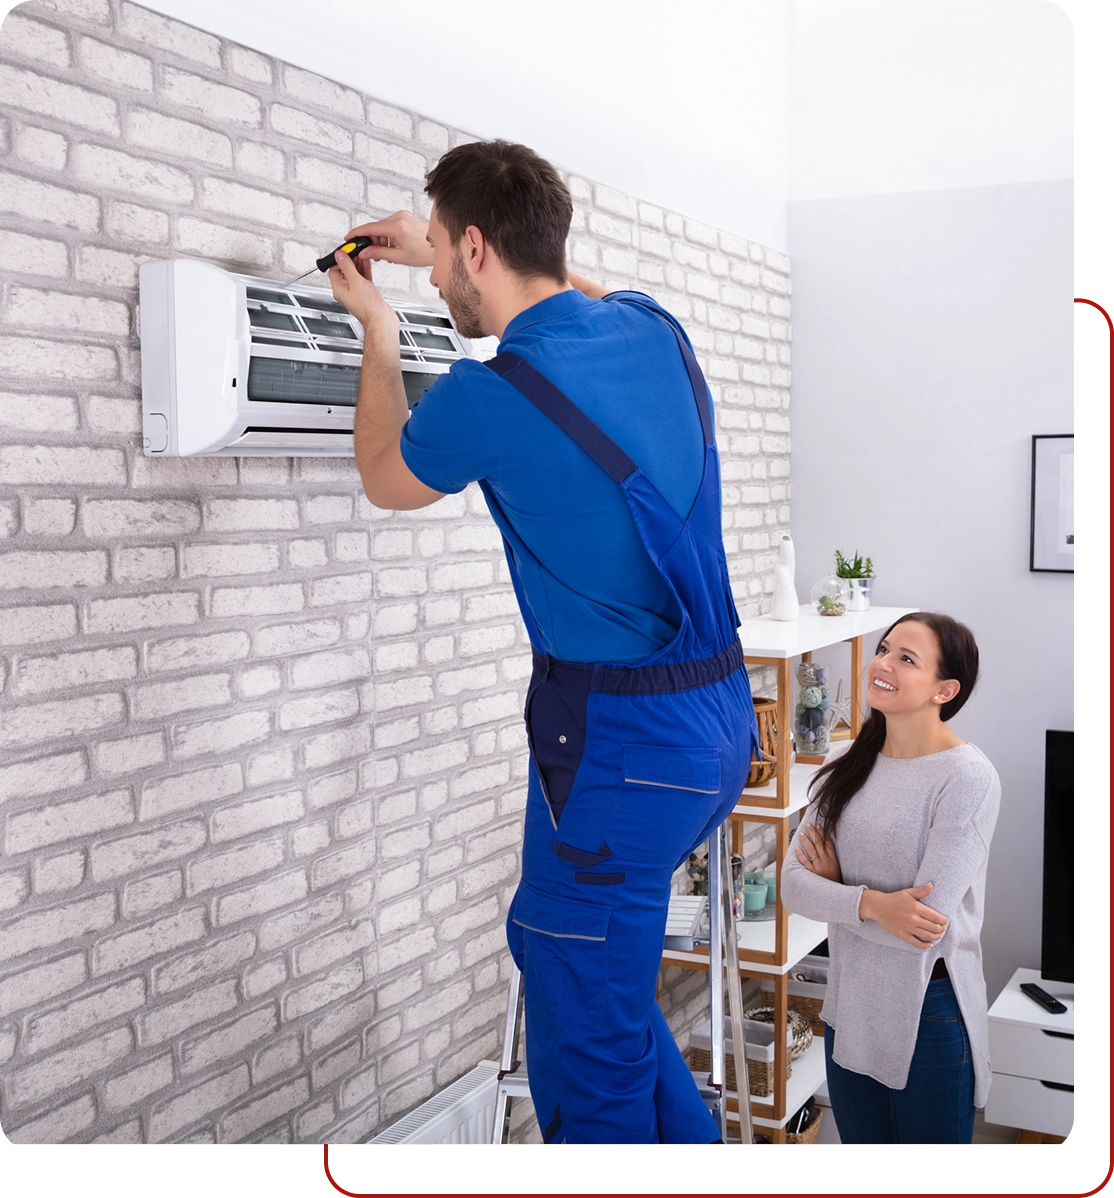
x: 786, y: 606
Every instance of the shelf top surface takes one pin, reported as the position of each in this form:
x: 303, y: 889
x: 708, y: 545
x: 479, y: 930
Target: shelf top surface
x: 804, y: 936
x: 800, y: 774
x: 763, y: 636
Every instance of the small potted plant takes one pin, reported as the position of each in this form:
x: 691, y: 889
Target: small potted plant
x: 858, y: 577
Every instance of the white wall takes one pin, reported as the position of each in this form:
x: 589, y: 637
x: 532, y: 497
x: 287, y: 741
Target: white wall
x: 718, y: 108
x: 682, y: 105
x: 933, y: 337
x: 262, y: 760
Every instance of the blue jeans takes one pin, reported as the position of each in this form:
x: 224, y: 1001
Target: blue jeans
x: 937, y: 1104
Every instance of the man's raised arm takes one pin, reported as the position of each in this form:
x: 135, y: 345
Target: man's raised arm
x: 381, y: 408
x: 590, y: 289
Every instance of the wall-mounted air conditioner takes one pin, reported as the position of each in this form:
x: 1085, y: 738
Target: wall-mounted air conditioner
x: 235, y: 365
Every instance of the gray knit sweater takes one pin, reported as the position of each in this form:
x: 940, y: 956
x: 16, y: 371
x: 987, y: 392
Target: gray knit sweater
x: 917, y: 820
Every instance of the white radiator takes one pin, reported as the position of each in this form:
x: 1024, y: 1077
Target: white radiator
x: 463, y: 1113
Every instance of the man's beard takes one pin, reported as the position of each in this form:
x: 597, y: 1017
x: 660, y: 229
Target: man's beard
x: 463, y: 299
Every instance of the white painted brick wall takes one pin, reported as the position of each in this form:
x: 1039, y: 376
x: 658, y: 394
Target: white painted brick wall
x: 262, y: 763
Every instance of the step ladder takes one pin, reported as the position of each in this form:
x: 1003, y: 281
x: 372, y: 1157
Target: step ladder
x: 723, y: 959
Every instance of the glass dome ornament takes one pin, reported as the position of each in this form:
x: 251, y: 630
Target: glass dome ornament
x: 830, y: 595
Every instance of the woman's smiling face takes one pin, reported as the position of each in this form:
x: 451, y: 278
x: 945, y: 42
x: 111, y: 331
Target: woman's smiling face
x: 903, y: 675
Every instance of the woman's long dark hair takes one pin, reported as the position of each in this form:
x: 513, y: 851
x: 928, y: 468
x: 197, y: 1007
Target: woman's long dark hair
x: 837, y: 782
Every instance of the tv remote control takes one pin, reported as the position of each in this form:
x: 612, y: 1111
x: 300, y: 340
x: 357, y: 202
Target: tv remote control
x: 1042, y: 998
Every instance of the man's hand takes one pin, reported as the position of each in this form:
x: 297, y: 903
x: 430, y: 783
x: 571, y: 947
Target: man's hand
x: 364, y: 300
x: 816, y: 853
x: 586, y: 286
x: 400, y: 237
x: 903, y: 915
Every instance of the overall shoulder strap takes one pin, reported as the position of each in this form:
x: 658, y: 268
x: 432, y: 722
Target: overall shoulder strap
x: 551, y: 401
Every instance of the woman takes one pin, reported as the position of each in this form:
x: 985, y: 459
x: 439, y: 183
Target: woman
x: 891, y: 854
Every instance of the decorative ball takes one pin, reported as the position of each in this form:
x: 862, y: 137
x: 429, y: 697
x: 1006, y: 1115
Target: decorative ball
x: 811, y: 696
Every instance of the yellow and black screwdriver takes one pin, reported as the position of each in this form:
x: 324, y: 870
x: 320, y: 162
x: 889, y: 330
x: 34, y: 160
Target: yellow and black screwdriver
x: 351, y: 248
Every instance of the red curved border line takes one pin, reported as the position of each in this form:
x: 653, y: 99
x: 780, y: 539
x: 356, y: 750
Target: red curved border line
x: 1105, y: 312
x: 338, y: 1187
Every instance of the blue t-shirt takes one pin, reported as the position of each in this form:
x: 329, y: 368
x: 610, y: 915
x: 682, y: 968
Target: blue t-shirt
x: 593, y: 591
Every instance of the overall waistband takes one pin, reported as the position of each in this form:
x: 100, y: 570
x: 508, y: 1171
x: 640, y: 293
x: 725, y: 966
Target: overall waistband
x: 650, y: 680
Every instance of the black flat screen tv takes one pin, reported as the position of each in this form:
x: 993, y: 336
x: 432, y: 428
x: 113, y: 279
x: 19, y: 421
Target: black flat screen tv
x: 1058, y: 902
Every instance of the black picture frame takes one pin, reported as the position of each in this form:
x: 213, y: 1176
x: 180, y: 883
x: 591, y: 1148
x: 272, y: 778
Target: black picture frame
x: 1051, y: 504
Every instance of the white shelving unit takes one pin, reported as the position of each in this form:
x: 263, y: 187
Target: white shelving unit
x: 772, y: 947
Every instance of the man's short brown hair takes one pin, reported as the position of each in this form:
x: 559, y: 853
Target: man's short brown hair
x: 513, y: 196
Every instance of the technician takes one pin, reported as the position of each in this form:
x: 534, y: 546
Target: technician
x: 591, y: 436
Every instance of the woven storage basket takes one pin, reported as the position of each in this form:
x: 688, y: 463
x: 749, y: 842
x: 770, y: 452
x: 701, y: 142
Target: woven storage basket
x: 808, y: 1004
x: 760, y: 1056
x: 763, y: 766
x: 808, y: 1136
x: 760, y: 1072
x: 798, y: 1025
x: 810, y: 1008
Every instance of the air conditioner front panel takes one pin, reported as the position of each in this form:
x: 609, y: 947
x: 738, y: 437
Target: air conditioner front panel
x: 234, y: 364
x: 156, y: 296
x: 206, y: 343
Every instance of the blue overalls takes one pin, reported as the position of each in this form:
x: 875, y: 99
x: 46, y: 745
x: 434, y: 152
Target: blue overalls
x: 632, y: 766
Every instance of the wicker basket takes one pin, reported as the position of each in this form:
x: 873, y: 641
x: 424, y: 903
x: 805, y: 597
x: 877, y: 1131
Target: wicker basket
x: 760, y: 1056
x: 808, y: 1136
x: 799, y: 1025
x: 763, y: 766
x: 807, y: 1004
x: 810, y: 1008
x: 760, y: 1074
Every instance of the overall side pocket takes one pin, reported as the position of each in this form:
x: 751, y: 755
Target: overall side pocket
x: 565, y: 943
x: 666, y: 797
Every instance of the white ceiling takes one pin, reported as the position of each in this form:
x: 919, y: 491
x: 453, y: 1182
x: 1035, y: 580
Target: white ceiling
x: 720, y: 109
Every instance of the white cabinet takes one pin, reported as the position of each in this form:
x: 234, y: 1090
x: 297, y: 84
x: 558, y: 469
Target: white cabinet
x: 1032, y: 1055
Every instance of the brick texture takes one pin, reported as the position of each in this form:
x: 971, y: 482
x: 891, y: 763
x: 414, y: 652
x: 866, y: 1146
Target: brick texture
x: 262, y: 764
